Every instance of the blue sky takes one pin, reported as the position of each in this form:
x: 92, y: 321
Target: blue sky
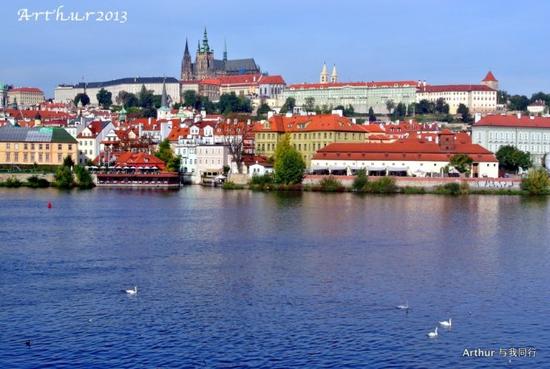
x: 440, y: 41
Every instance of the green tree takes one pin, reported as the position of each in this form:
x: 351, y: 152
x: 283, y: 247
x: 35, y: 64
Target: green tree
x: 83, y: 98
x: 536, y: 182
x: 464, y: 113
x: 425, y: 107
x: 461, y: 162
x: 68, y: 162
x: 104, y: 98
x: 399, y: 112
x: 360, y: 180
x: 390, y: 105
x: 145, y: 97
x: 502, y: 97
x: 288, y: 106
x: 441, y: 106
x: 83, y: 177
x: 190, y: 99
x: 166, y: 154
x: 263, y: 109
x: 511, y: 159
x: 231, y: 103
x: 372, y: 116
x: 518, y: 102
x: 63, y: 177
x: 289, y: 164
x: 309, y: 104
x: 128, y: 99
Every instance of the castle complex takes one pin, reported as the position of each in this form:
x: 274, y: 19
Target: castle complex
x: 205, y: 66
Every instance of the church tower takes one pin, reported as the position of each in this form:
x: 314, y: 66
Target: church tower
x: 334, y: 75
x: 186, y: 66
x: 204, y: 60
x: 490, y: 81
x: 324, y: 74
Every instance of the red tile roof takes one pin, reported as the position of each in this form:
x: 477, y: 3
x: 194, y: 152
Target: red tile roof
x: 272, y: 80
x: 177, y: 132
x: 411, y: 149
x: 27, y: 89
x: 513, y: 121
x: 139, y: 159
x: 490, y: 77
x: 309, y: 123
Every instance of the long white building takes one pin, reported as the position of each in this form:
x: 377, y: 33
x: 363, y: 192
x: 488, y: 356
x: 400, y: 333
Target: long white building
x: 527, y: 133
x: 66, y: 93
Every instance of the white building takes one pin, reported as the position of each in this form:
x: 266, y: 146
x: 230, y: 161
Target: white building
x: 527, y: 133
x: 89, y: 140
x: 211, y: 158
x: 410, y: 157
x: 66, y: 93
x: 481, y: 98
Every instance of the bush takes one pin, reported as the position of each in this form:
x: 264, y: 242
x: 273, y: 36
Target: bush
x: 262, y: 180
x: 360, y: 180
x: 382, y: 185
x: 36, y: 182
x: 331, y: 184
x: 64, y: 177
x: 12, y: 182
x: 452, y: 188
x: 536, y: 182
x: 413, y: 190
x: 228, y: 185
x: 83, y: 177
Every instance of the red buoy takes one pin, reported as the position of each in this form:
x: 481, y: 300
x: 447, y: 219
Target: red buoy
x: 49, y: 205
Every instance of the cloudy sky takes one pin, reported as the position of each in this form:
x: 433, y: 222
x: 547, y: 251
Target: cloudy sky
x: 440, y: 41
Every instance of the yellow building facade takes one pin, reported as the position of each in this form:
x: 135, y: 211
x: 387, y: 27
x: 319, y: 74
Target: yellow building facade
x: 41, y: 146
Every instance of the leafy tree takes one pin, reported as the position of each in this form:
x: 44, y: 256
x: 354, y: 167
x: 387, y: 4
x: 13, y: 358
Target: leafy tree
x: 536, y: 182
x: 390, y: 105
x: 518, y: 102
x: 83, y: 98
x: 502, y: 97
x: 425, y: 107
x: 68, y: 162
x: 83, y: 177
x: 372, y: 116
x: 166, y: 154
x: 441, y: 107
x: 145, y: 97
x: 63, y: 177
x: 263, y: 109
x: 309, y: 104
x: 461, y: 162
x: 157, y: 101
x: 104, y: 98
x: 511, y: 159
x: 348, y: 111
x: 400, y: 111
x: 289, y: 164
x: 128, y: 99
x: 288, y: 106
x: 231, y: 103
x: 190, y: 99
x: 464, y: 113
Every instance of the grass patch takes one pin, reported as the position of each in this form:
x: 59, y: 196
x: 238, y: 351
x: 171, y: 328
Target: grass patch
x: 228, y: 185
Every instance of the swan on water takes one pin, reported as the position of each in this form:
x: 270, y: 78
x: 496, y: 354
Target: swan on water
x: 403, y: 307
x: 446, y: 323
x: 132, y: 291
x: 433, y: 334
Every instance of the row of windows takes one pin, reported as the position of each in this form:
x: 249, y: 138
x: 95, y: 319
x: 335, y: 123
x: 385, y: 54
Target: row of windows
x: 33, y: 146
x: 30, y: 157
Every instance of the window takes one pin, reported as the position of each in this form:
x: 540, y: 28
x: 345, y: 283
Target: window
x: 25, y: 157
x: 59, y: 158
x: 59, y: 147
x: 70, y: 147
x: 25, y: 146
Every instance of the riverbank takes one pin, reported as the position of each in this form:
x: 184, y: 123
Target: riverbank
x: 393, y: 185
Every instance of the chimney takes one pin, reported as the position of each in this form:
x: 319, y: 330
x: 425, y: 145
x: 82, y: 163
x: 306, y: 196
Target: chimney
x: 477, y: 117
x: 269, y: 114
x: 518, y: 114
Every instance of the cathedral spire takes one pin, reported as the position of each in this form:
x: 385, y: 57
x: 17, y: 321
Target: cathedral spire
x: 205, y: 46
x: 186, y: 52
x: 164, y: 98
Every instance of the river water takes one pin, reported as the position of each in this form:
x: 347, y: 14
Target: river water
x: 237, y: 279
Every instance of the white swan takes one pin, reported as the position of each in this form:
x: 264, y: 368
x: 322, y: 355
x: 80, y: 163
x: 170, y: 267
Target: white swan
x: 132, y: 291
x: 403, y: 307
x: 446, y: 323
x: 433, y: 334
